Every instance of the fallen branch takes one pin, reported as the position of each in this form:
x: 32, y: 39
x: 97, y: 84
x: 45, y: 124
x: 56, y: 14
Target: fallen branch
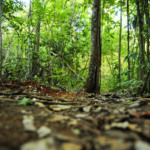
x: 74, y: 72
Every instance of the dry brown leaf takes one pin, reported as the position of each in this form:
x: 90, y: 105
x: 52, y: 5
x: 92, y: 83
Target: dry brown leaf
x: 71, y: 146
x: 59, y: 107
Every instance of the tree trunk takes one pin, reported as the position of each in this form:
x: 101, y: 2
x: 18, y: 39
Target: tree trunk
x: 100, y: 26
x: 146, y: 86
x: 29, y: 41
x: 36, y: 49
x: 36, y: 45
x: 92, y: 84
x: 141, y: 42
x: 1, y: 51
x: 8, y: 49
x: 119, y: 75
x: 147, y: 29
x: 128, y: 39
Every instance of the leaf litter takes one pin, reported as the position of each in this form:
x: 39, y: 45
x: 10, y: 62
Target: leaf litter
x: 35, y: 117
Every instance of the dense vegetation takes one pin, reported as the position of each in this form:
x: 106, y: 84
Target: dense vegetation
x: 50, y: 41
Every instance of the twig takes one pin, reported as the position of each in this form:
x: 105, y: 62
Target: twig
x: 74, y: 72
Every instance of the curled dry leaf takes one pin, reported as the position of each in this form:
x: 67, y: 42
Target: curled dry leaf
x: 87, y: 108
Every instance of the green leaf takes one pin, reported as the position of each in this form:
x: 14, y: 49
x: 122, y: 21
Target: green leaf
x: 125, y: 59
x: 25, y: 101
x: 128, y: 102
x: 132, y: 55
x: 76, y: 131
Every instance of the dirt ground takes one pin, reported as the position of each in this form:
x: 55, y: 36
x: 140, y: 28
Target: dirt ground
x: 37, y: 117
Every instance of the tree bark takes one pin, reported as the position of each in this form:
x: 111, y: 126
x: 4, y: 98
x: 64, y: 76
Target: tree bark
x: 92, y: 84
x: 36, y: 45
x: 141, y: 42
x: 1, y: 51
x: 128, y: 39
x: 29, y: 41
x: 119, y: 75
x: 8, y: 49
x: 36, y: 49
x: 146, y: 86
x: 147, y: 28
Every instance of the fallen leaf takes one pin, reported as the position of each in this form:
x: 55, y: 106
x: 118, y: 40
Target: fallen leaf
x: 44, y: 144
x: 87, y: 108
x: 70, y: 146
x: 73, y: 122
x: 76, y: 131
x: 113, y: 144
x: 141, y: 145
x: 122, y: 125
x: 135, y: 104
x: 28, y: 123
x: 43, y: 131
x: 146, y: 114
x: 135, y: 114
x: 98, y: 109
x: 81, y: 115
x: 59, y: 107
x: 128, y: 102
x: 25, y: 101
x: 35, y: 100
x: 41, y: 105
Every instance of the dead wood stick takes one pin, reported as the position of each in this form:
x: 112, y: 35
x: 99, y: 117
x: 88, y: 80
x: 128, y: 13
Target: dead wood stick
x: 12, y: 92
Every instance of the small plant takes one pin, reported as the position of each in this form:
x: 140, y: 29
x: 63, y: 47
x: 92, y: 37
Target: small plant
x: 25, y: 101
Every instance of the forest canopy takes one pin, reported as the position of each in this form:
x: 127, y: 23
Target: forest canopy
x: 49, y: 41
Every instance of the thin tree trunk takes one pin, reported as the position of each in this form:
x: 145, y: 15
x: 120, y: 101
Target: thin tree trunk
x: 100, y: 26
x: 119, y: 76
x: 18, y: 53
x: 128, y: 39
x: 29, y: 41
x: 92, y: 84
x: 1, y: 51
x: 141, y: 42
x: 36, y: 48
x: 8, y: 49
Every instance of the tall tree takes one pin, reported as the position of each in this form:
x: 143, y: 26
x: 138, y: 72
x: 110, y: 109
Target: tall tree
x: 1, y: 51
x: 120, y: 34
x: 147, y: 28
x: 36, y: 41
x: 29, y: 40
x: 92, y: 84
x: 141, y: 39
x: 146, y: 86
x: 128, y: 39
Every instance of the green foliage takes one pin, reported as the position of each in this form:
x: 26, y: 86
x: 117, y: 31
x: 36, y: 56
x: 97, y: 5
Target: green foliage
x: 128, y: 102
x: 15, y: 69
x: 25, y: 102
x: 131, y: 55
x: 63, y: 57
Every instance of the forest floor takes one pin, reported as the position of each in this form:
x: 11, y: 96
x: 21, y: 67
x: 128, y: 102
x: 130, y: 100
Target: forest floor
x: 37, y: 117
